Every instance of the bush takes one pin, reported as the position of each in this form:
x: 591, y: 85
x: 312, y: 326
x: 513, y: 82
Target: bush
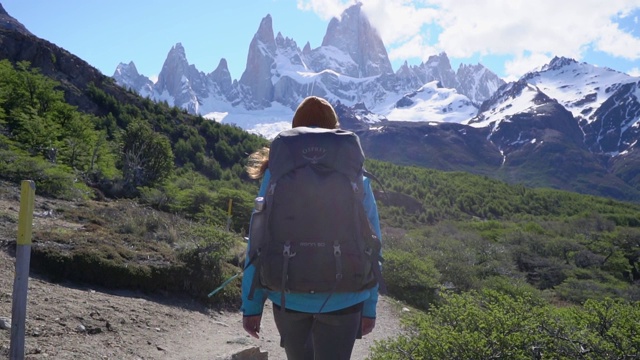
x: 410, y: 278
x: 205, y: 264
x: 57, y: 181
x: 494, y: 325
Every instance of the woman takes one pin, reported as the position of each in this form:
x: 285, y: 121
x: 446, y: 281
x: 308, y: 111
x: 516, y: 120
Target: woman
x: 305, y: 333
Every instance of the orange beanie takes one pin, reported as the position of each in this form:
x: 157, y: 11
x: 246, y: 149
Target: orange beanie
x: 315, y: 111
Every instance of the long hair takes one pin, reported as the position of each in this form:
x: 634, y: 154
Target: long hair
x: 312, y: 111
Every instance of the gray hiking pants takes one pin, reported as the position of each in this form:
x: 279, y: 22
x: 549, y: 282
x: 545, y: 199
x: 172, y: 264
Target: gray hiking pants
x: 327, y: 336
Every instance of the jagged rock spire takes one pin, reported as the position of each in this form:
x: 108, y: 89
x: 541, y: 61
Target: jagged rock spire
x: 354, y: 35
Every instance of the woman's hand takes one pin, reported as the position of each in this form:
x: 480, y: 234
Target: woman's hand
x: 367, y: 325
x: 251, y: 325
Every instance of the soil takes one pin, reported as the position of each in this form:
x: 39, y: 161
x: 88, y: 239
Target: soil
x: 71, y: 321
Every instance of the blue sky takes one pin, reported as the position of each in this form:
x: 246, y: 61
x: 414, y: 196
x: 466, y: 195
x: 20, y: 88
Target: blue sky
x: 510, y: 37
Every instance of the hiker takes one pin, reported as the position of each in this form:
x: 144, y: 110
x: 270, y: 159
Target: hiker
x: 312, y: 325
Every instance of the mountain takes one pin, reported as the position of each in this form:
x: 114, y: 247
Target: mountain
x: 128, y: 73
x: 350, y: 67
x: 603, y: 101
x: 567, y: 125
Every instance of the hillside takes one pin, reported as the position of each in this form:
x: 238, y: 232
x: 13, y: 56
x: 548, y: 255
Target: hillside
x: 76, y: 320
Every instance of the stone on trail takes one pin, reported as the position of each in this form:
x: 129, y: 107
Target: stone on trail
x: 253, y: 353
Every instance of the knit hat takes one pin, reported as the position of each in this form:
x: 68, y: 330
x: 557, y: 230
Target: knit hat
x: 315, y: 111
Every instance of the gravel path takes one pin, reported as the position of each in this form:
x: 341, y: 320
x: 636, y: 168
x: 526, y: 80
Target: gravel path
x: 69, y: 322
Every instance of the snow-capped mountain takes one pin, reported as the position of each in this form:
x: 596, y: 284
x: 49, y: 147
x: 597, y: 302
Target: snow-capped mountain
x: 604, y: 104
x: 554, y: 126
x: 567, y: 125
x: 128, y: 74
x: 351, y: 67
x: 547, y: 129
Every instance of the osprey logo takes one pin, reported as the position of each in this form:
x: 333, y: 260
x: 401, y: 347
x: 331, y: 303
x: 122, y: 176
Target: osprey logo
x: 314, y: 154
x: 313, y: 244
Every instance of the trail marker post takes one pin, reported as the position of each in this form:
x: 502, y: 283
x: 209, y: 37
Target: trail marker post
x: 229, y: 215
x: 21, y: 280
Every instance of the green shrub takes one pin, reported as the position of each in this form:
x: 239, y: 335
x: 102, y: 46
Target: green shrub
x: 205, y: 266
x: 57, y: 181
x: 579, y: 290
x: 494, y: 325
x: 410, y: 278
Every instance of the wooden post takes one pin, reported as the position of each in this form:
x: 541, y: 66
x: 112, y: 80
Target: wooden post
x: 21, y: 281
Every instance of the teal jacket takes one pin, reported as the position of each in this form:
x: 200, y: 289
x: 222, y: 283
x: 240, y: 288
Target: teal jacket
x: 311, y: 303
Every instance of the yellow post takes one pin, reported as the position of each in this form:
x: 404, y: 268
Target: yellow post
x: 25, y: 222
x: 21, y: 280
x: 229, y: 215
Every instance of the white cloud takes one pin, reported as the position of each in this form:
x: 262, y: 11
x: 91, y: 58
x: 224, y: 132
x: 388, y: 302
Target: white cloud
x: 522, y: 64
x: 413, y: 48
x: 564, y: 28
x: 325, y: 9
x: 618, y: 43
x: 634, y: 72
x: 471, y: 28
x: 399, y: 21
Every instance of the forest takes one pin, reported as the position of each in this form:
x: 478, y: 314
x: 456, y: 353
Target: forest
x: 494, y: 270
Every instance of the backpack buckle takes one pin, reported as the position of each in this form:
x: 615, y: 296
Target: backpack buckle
x: 336, y: 250
x: 287, y: 251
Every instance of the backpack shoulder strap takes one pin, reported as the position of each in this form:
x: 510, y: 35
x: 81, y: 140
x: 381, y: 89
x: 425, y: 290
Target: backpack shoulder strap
x: 374, y: 178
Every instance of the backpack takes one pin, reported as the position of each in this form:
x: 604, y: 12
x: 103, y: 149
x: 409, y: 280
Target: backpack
x: 310, y: 233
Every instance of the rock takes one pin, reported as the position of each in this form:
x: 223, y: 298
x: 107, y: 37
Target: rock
x: 5, y: 324
x: 253, y: 353
x: 80, y: 328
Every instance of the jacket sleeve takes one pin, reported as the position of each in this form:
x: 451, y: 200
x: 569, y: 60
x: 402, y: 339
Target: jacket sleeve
x: 370, y: 206
x: 254, y: 306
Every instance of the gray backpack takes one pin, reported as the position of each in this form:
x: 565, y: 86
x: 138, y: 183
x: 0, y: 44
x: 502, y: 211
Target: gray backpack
x: 311, y: 234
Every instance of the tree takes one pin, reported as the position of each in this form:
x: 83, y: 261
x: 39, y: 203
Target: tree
x: 146, y: 156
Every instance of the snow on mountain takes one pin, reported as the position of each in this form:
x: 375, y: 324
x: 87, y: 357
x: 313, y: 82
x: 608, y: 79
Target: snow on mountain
x: 615, y: 128
x: 477, y: 82
x: 128, y: 74
x: 513, y: 98
x: 431, y: 102
x: 603, y: 103
x: 180, y: 83
x: 351, y: 67
x: 580, y: 87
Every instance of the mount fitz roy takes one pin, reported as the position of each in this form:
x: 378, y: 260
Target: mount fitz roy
x: 351, y: 67
x: 568, y: 125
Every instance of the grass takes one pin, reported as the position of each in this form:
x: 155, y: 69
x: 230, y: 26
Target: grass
x: 123, y: 245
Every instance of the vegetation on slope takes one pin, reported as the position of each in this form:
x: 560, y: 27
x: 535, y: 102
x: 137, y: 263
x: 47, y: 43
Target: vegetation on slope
x: 151, y: 187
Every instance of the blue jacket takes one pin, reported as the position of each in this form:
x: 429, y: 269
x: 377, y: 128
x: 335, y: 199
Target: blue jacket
x: 312, y: 302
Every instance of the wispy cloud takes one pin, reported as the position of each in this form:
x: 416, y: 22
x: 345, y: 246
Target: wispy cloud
x: 468, y: 28
x: 522, y: 64
x: 325, y: 9
x: 634, y: 72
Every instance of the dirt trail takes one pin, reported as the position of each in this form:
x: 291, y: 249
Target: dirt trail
x: 69, y: 322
